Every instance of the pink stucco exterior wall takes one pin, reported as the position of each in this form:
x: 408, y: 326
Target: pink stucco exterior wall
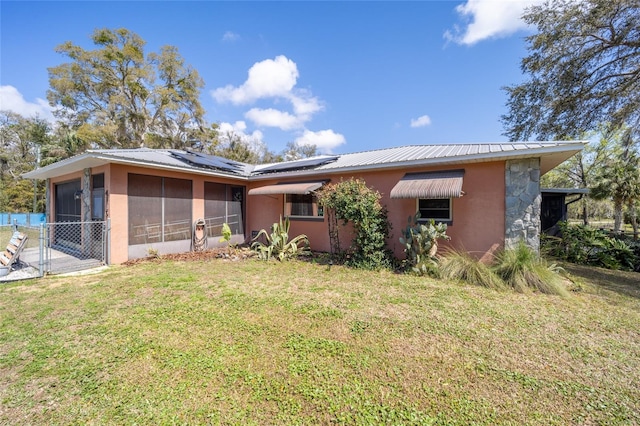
x: 478, y: 217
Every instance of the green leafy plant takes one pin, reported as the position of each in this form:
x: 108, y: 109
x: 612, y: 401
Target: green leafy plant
x: 226, y: 233
x: 278, y: 244
x: 586, y: 245
x: 226, y: 236
x: 523, y: 269
x: 352, y: 201
x: 420, y: 241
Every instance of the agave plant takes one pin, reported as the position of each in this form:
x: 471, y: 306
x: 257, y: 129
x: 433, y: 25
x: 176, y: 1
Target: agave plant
x: 278, y: 244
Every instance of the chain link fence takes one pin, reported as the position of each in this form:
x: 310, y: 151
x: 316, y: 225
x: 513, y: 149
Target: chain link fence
x: 74, y: 246
x: 55, y: 248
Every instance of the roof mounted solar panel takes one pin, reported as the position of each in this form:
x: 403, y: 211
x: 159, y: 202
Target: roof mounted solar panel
x: 297, y: 164
x: 209, y: 161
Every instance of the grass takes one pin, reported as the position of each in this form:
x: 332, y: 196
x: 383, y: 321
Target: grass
x: 6, y: 231
x: 459, y: 265
x: 523, y: 269
x: 218, y: 342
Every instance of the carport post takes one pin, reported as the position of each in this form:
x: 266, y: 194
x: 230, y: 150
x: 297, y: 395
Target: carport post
x: 107, y: 240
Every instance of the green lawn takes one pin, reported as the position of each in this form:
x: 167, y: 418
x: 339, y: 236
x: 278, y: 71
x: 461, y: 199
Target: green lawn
x: 219, y: 342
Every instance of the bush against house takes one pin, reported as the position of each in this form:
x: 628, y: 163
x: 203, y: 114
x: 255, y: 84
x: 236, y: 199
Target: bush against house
x: 353, y: 201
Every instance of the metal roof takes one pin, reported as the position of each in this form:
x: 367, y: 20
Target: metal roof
x: 414, y: 153
x: 143, y: 157
x: 566, y: 191
x: 550, y: 153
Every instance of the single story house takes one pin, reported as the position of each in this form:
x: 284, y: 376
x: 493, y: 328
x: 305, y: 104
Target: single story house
x: 488, y: 193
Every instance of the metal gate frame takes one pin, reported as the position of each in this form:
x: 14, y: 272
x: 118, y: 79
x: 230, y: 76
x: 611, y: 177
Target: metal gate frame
x: 60, y: 252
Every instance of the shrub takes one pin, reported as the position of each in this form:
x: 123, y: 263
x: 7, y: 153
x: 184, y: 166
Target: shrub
x: 352, y: 201
x: 589, y: 246
x: 523, y: 269
x: 278, y: 243
x: 458, y: 265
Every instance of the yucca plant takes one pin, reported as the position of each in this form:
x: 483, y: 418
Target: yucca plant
x: 523, y: 269
x: 459, y: 265
x: 278, y: 244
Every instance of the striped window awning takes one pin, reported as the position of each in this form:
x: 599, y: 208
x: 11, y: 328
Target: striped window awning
x: 287, y: 188
x: 444, y: 184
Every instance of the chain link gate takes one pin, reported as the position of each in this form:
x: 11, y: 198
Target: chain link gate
x: 74, y: 246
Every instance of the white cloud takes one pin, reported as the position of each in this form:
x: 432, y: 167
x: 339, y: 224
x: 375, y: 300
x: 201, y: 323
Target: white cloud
x: 486, y: 19
x: 270, y: 78
x: 237, y: 127
x: 275, y: 80
x: 230, y: 36
x: 273, y: 118
x: 305, y: 106
x: 12, y: 100
x: 324, y: 140
x: 421, y: 121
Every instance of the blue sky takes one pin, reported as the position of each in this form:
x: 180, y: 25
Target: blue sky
x: 346, y: 76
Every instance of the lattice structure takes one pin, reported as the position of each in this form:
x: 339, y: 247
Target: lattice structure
x: 334, y: 237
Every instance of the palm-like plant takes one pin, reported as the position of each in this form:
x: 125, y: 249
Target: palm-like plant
x: 619, y: 179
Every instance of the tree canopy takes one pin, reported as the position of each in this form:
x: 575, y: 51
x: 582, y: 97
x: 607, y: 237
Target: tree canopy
x: 583, y: 70
x: 116, y: 96
x: 20, y: 141
x: 619, y: 178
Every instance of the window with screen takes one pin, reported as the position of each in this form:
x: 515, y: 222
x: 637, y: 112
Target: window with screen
x: 223, y: 204
x: 438, y: 209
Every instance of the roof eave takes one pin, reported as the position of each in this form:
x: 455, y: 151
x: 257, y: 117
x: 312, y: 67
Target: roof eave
x: 92, y: 159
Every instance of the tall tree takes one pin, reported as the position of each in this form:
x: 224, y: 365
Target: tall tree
x: 20, y: 140
x: 581, y: 170
x: 116, y: 96
x: 619, y: 178
x: 583, y: 67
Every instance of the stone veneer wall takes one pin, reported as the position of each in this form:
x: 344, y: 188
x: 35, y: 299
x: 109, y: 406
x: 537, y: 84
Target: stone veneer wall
x: 522, y: 221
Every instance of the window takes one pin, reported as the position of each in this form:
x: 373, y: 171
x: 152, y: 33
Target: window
x: 438, y: 209
x: 302, y: 205
x: 159, y: 209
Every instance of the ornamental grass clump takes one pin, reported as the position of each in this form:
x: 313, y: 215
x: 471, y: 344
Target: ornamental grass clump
x: 523, y: 269
x: 460, y: 266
